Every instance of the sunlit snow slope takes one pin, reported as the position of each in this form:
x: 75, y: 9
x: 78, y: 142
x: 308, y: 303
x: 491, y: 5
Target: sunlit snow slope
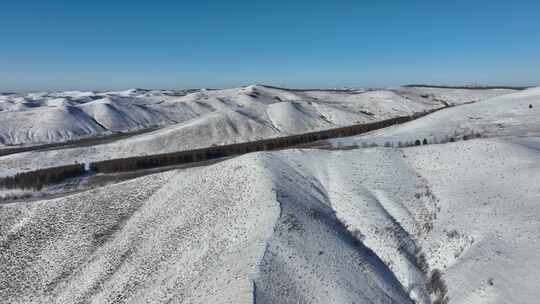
x: 38, y: 118
x: 299, y: 226
x: 455, y: 222
x: 516, y: 114
x: 198, y: 119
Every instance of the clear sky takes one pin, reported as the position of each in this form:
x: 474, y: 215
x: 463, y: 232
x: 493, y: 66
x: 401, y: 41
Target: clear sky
x: 115, y: 44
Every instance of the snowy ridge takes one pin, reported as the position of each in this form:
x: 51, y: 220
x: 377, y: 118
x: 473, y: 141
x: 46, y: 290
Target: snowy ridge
x: 422, y: 224
x: 213, y: 117
x: 40, y: 118
x: 288, y: 227
x: 515, y: 114
x: 208, y: 249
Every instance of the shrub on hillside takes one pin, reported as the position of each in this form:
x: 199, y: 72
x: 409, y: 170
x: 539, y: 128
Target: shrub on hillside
x: 437, y: 288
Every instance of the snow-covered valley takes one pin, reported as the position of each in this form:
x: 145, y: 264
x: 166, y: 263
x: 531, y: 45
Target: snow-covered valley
x: 193, y: 120
x: 457, y: 222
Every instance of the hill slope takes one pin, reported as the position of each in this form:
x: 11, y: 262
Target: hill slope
x: 363, y: 226
x: 454, y: 221
x: 198, y: 119
x: 516, y: 114
x: 40, y: 118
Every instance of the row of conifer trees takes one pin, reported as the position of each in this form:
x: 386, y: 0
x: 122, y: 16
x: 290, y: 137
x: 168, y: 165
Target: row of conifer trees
x: 36, y: 180
x: 183, y: 157
x: 40, y: 178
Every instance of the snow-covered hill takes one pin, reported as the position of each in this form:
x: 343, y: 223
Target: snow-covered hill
x: 516, y: 114
x: 40, y: 118
x: 200, y: 119
x: 299, y: 226
x: 457, y: 221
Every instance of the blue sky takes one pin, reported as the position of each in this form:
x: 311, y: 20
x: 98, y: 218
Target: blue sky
x: 179, y: 44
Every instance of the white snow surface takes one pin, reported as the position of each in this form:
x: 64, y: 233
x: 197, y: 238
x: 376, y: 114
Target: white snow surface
x: 297, y: 226
x: 505, y: 115
x: 187, y: 121
x: 451, y: 96
x: 39, y: 118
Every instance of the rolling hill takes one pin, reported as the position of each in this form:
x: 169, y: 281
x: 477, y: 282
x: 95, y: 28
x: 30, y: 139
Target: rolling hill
x: 364, y: 226
x: 512, y: 115
x: 452, y: 222
x: 198, y: 119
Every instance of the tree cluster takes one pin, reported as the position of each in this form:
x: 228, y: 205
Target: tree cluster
x: 36, y: 180
x: 189, y: 156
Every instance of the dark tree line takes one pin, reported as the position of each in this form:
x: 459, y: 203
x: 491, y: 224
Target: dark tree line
x: 183, y: 157
x: 37, y: 179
